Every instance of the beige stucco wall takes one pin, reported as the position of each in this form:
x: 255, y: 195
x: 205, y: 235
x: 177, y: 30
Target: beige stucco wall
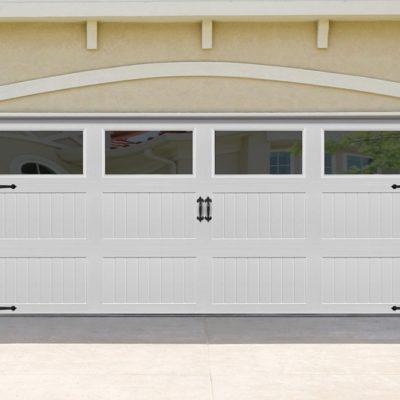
x: 33, y: 50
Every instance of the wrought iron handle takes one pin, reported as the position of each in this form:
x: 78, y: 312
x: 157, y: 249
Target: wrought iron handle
x: 200, y: 201
x: 395, y: 308
x: 8, y: 186
x: 12, y: 308
x: 208, y: 216
x: 394, y: 186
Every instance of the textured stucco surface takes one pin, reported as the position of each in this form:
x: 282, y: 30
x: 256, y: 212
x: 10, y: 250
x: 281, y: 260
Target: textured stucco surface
x: 33, y: 50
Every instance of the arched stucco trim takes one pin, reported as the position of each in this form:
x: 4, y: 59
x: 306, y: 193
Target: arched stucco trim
x: 199, y: 69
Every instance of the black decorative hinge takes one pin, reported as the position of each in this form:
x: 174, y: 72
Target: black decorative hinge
x: 208, y: 217
x: 394, y: 186
x: 200, y: 202
x: 8, y: 186
x: 395, y: 308
x: 12, y: 308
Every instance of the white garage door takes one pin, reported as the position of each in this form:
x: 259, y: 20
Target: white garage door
x: 199, y: 216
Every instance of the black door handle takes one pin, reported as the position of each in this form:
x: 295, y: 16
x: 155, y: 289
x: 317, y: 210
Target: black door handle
x: 8, y: 186
x: 12, y: 308
x: 200, y: 201
x: 208, y: 216
x: 394, y: 186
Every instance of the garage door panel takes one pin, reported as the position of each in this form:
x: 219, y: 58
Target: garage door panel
x: 259, y: 280
x: 361, y: 215
x: 258, y: 215
x: 149, y: 215
x: 43, y: 280
x: 43, y: 215
x: 149, y: 280
x: 360, y: 280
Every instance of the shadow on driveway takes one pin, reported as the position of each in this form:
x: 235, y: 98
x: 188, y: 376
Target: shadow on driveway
x: 199, y: 329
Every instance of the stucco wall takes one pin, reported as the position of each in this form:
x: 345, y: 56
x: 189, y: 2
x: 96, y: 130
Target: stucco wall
x: 33, y: 50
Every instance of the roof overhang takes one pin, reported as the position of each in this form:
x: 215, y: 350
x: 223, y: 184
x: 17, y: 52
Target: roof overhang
x: 192, y: 10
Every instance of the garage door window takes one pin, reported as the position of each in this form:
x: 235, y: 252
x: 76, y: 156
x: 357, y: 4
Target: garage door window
x: 41, y: 152
x: 260, y: 153
x: 363, y: 152
x: 149, y: 152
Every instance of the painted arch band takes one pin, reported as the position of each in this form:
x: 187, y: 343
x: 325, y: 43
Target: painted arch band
x: 199, y: 69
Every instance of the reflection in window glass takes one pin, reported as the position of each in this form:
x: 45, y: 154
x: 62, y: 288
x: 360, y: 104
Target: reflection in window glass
x: 41, y: 152
x: 363, y: 152
x: 36, y: 168
x: 280, y: 162
x: 328, y: 163
x: 149, y: 152
x: 260, y: 152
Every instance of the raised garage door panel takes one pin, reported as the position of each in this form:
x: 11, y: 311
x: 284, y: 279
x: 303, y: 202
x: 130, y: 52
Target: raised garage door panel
x: 259, y: 280
x: 361, y: 280
x: 259, y: 215
x: 149, y: 280
x: 361, y: 215
x: 44, y: 280
x: 148, y: 215
x: 43, y: 215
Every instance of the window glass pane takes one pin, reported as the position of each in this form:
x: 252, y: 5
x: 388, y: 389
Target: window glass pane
x: 328, y: 163
x: 363, y: 152
x: 149, y: 152
x: 261, y: 152
x: 41, y: 152
x: 29, y: 168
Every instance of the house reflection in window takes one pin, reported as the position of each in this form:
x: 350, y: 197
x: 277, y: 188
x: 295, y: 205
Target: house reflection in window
x: 149, y: 152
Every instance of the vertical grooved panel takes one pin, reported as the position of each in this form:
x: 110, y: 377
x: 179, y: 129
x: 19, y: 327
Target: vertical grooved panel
x: 149, y: 215
x: 360, y: 215
x: 360, y: 280
x: 259, y: 215
x: 43, y: 280
x: 149, y: 280
x: 254, y: 280
x: 43, y: 215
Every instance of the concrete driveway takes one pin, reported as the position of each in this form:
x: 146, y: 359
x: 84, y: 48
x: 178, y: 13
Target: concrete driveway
x: 199, y: 358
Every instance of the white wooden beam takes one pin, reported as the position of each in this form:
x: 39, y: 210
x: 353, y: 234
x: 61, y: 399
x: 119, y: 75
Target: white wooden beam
x: 206, y: 34
x: 91, y: 35
x: 323, y: 34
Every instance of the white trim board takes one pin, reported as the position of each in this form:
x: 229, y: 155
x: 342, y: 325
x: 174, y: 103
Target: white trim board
x: 195, y: 9
x: 206, y: 116
x: 199, y: 69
